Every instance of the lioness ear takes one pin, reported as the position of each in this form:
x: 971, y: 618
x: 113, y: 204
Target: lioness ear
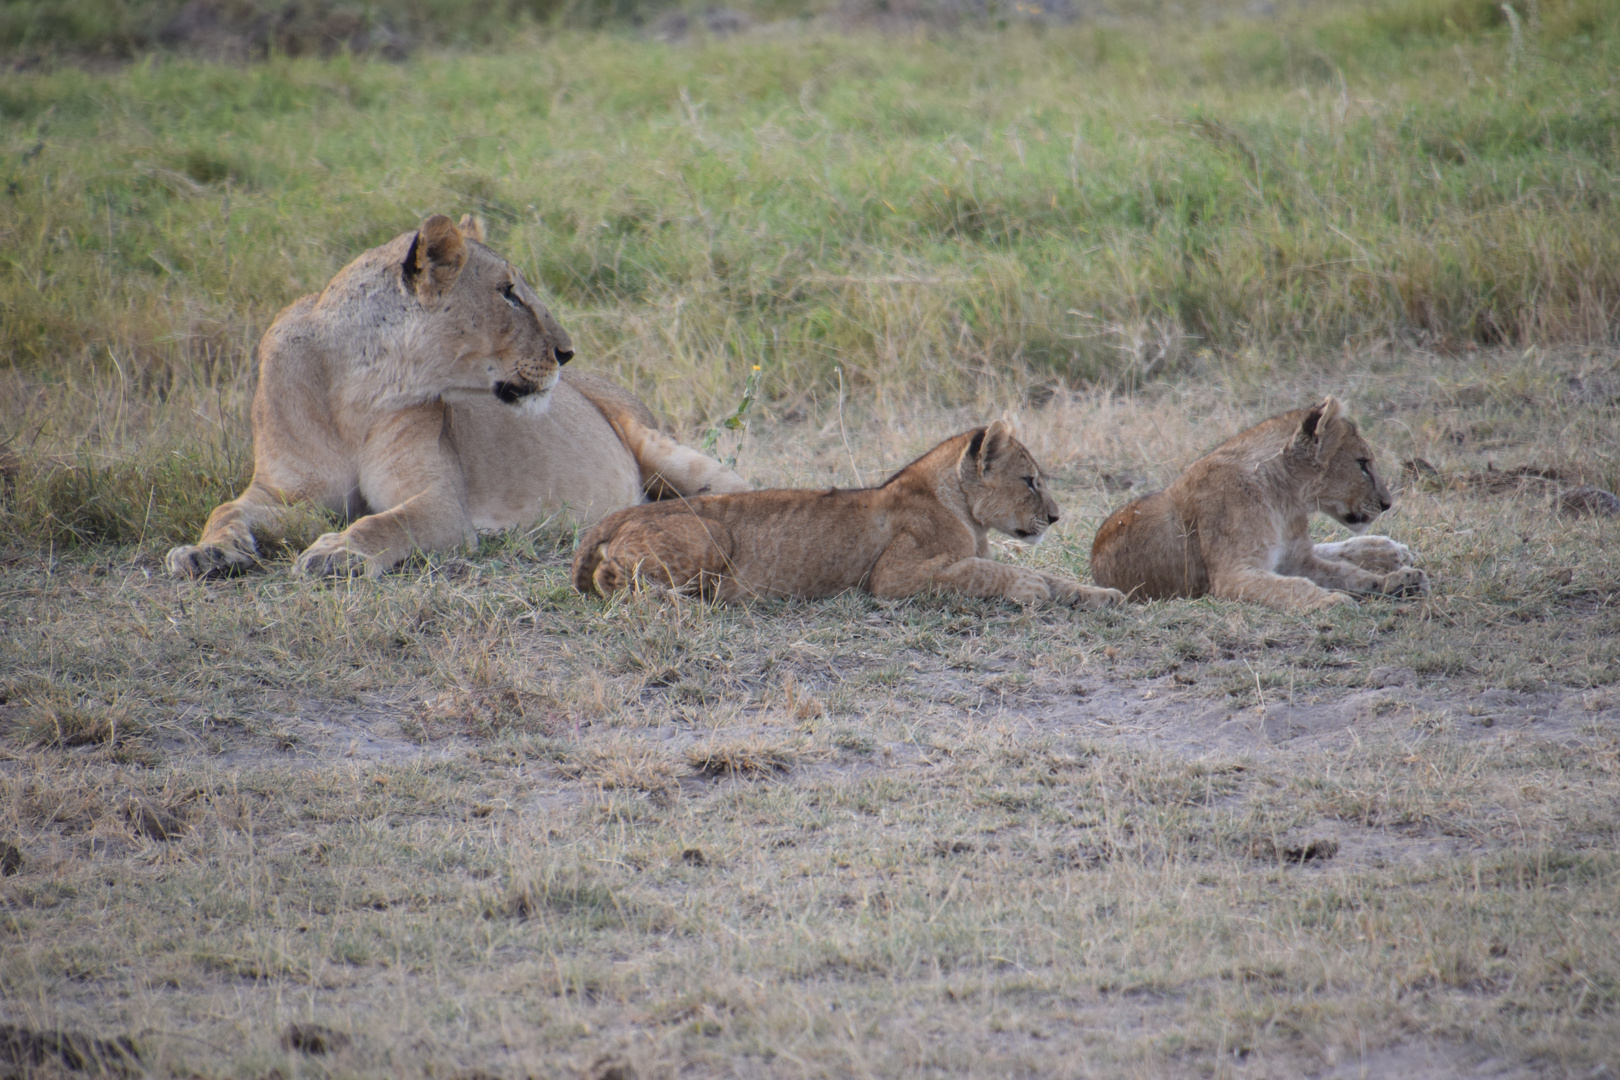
x: 470, y: 227
x: 435, y: 258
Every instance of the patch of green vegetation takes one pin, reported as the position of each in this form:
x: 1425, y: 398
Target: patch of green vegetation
x: 960, y: 220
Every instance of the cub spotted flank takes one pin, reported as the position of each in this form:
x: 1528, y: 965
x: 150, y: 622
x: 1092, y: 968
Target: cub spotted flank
x: 926, y: 527
x: 1235, y: 523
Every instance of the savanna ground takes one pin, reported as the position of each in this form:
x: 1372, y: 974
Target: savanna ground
x: 464, y: 822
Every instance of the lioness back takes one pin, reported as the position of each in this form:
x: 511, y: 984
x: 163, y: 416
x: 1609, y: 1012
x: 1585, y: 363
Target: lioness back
x: 925, y: 527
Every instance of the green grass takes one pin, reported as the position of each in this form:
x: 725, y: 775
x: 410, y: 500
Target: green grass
x: 961, y: 217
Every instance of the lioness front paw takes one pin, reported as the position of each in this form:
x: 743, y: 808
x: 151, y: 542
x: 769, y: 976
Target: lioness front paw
x: 1407, y: 582
x: 331, y: 556
x: 207, y: 560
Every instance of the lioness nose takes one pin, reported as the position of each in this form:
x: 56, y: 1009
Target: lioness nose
x: 1384, y: 503
x: 565, y: 355
x: 1051, y: 515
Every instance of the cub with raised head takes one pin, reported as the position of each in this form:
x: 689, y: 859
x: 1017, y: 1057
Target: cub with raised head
x: 1234, y: 523
x: 420, y: 393
x: 926, y: 527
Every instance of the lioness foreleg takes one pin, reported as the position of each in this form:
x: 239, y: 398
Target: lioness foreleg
x: 227, y: 545
x: 410, y: 469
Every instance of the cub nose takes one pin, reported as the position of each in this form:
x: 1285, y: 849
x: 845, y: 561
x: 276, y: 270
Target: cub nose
x: 1051, y: 516
x: 1384, y: 504
x: 565, y: 355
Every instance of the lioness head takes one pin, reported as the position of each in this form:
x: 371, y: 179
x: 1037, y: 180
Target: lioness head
x: 1347, y: 486
x: 488, y: 329
x: 1004, y: 487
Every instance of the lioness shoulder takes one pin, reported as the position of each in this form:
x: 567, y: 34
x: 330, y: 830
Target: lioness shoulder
x: 926, y: 527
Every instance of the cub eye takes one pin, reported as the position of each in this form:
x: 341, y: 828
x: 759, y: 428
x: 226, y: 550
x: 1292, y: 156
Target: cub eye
x: 510, y: 292
x: 1030, y: 480
x: 1366, y: 465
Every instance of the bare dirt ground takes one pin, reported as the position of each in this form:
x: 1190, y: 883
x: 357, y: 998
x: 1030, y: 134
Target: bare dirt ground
x: 463, y: 822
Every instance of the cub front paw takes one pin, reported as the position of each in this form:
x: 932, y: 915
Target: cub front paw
x: 1380, y: 554
x: 1408, y: 582
x: 206, y: 560
x: 331, y: 556
x: 1074, y: 594
x: 1331, y: 600
x: 1100, y: 598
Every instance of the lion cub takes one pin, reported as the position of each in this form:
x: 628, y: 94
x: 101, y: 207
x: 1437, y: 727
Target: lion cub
x: 926, y: 526
x: 1234, y: 524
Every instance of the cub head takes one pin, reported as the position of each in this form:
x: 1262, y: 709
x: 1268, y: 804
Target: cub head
x: 1004, y: 487
x: 486, y: 330
x: 1347, y: 485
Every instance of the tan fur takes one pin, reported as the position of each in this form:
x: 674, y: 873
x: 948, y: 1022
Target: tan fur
x: 926, y: 527
x: 419, y: 393
x: 1234, y: 524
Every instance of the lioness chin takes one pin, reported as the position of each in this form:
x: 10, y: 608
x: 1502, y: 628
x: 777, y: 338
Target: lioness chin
x: 421, y: 395
x: 1235, y: 523
x: 926, y: 527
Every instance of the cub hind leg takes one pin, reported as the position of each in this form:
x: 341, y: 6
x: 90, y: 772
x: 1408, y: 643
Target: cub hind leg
x: 678, y: 552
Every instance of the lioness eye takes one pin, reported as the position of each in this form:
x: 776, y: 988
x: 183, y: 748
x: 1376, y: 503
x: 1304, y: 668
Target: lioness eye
x: 1364, y: 463
x: 1030, y: 480
x: 510, y: 292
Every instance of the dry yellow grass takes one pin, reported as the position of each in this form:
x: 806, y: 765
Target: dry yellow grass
x: 464, y: 822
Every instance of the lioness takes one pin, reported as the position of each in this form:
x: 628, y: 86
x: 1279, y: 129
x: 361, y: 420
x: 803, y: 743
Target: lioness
x: 420, y: 394
x: 1234, y: 524
x: 926, y: 526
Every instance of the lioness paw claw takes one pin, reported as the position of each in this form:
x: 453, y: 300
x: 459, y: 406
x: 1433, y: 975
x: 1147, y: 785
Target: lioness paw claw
x: 330, y: 556
x: 205, y: 560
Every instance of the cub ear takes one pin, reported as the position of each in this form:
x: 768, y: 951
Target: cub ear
x: 1318, y: 417
x: 435, y: 259
x: 1315, y: 428
x: 471, y: 227
x: 990, y: 443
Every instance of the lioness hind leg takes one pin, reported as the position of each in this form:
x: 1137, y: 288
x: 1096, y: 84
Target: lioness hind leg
x: 1375, y: 554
